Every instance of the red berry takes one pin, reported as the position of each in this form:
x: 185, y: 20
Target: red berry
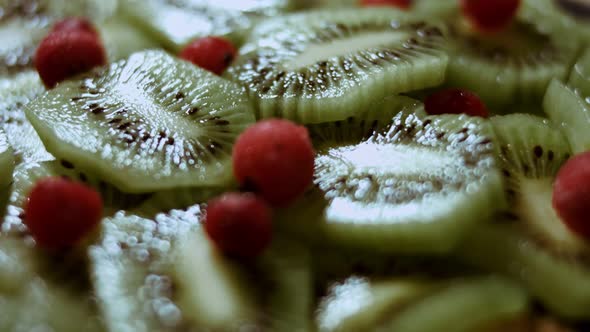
x: 571, y: 194
x: 275, y: 159
x: 490, y: 15
x: 239, y: 224
x: 455, y: 101
x: 403, y: 4
x: 74, y: 24
x: 211, y: 53
x: 60, y: 213
x: 62, y: 55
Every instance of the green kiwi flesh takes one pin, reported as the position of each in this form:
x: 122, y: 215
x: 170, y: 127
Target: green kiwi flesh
x: 211, y: 288
x: 404, y: 189
x: 359, y: 304
x: 329, y: 65
x: 550, y: 17
x: 6, y: 168
x: 121, y: 39
x: 147, y: 123
x: 175, y: 23
x: 507, y: 68
x: 529, y: 242
x: 562, y: 284
x: 287, y: 272
x: 130, y: 270
x: 570, y: 111
x: 26, y: 175
x: 23, y: 24
x: 15, y: 93
x: 462, y: 306
x: 401, y: 304
x: 579, y: 78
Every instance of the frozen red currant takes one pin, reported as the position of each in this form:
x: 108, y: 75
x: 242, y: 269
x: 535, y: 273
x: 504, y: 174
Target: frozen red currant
x: 571, y: 194
x: 74, y: 24
x: 239, y: 224
x: 60, y: 213
x: 214, y: 54
x: 275, y: 159
x: 490, y: 15
x: 455, y: 101
x: 403, y: 4
x: 63, y: 54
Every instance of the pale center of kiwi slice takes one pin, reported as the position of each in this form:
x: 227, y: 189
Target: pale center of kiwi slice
x: 403, y: 160
x: 340, y: 47
x: 180, y: 24
x: 534, y: 206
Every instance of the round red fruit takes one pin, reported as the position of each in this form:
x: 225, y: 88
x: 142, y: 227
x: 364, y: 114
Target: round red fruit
x: 275, y: 159
x: 60, y: 213
x: 455, y: 101
x: 75, y: 24
x: 571, y: 194
x: 490, y: 15
x: 403, y: 4
x: 62, y: 55
x: 239, y: 224
x: 214, y: 54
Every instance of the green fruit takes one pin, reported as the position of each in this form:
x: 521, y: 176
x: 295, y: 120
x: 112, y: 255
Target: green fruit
x: 417, y: 186
x: 529, y: 242
x: 330, y: 65
x: 148, y: 123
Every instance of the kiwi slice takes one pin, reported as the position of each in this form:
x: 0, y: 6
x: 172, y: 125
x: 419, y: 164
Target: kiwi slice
x: 579, y: 78
x: 511, y: 67
x: 425, y: 8
x: 27, y: 174
x: 416, y: 186
x: 211, y: 289
x: 402, y: 304
x: 23, y: 23
x: 530, y: 243
x: 15, y: 93
x: 121, y: 39
x: 175, y: 23
x: 359, y: 304
x: 287, y: 287
x: 330, y: 65
x: 462, y: 306
x: 175, y: 199
x: 147, y: 123
x: 554, y: 18
x: 130, y: 270
x: 569, y: 110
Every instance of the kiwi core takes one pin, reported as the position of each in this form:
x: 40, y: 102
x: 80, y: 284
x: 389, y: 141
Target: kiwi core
x: 321, y: 52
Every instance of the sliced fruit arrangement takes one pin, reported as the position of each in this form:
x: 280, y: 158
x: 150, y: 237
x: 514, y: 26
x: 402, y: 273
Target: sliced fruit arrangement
x: 270, y: 170
x: 175, y: 23
x: 359, y: 304
x: 328, y: 66
x: 403, y: 189
x: 532, y: 243
x: 147, y: 123
x: 510, y: 65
